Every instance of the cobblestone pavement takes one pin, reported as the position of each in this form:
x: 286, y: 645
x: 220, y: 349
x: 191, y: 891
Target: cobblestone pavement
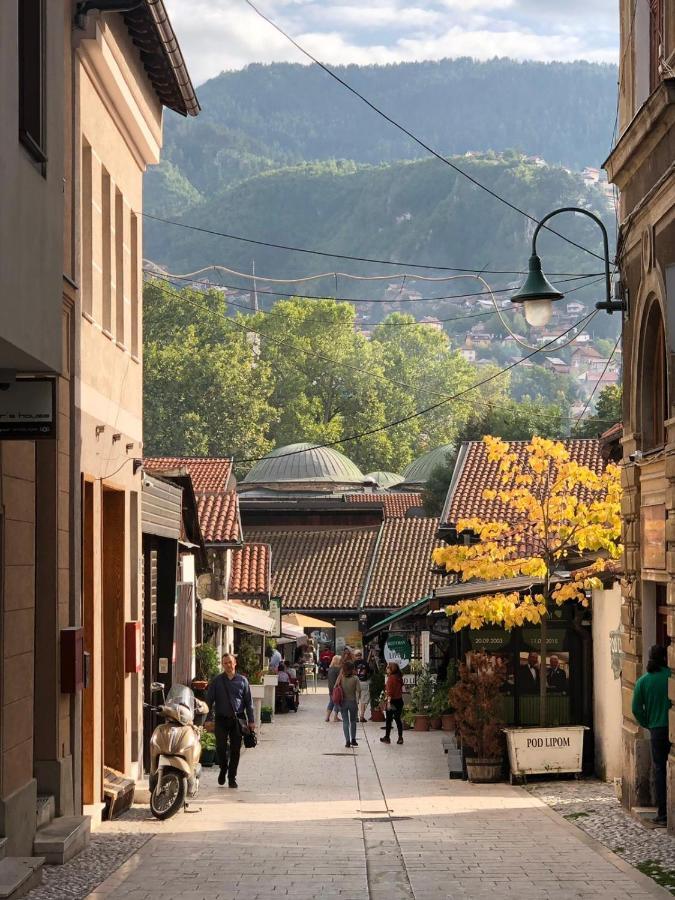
x: 313, y: 820
x: 593, y: 806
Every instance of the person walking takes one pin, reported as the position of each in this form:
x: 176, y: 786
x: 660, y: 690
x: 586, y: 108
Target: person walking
x: 332, y: 677
x: 351, y: 687
x: 230, y: 694
x: 363, y: 673
x: 650, y: 708
x: 394, y: 690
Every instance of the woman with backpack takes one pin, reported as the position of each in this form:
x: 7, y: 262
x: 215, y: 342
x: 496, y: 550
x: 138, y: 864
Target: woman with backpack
x: 394, y: 691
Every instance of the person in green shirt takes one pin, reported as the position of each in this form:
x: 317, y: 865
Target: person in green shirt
x: 650, y: 708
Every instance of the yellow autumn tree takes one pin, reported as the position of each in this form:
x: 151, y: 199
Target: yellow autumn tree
x: 552, y: 514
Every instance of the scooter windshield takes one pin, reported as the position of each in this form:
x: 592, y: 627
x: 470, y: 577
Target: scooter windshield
x: 180, y: 695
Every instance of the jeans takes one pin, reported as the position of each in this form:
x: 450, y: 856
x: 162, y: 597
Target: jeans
x: 660, y: 750
x: 228, y: 732
x: 394, y: 714
x: 349, y: 718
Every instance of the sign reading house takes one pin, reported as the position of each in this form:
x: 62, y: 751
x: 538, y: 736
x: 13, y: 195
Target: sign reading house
x: 27, y: 409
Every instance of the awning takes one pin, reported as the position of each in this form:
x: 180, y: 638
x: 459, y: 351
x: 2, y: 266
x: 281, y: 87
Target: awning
x: 303, y: 621
x: 398, y: 615
x: 291, y: 631
x: 216, y: 611
x: 241, y: 615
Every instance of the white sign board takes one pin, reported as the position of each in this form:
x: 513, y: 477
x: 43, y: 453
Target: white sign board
x: 274, y: 612
x: 398, y: 649
x: 538, y: 751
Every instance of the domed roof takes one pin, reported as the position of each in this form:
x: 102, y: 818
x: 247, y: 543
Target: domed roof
x: 419, y: 470
x: 385, y: 479
x: 304, y: 463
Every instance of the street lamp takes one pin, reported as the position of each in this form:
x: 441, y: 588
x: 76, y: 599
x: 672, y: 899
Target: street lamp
x: 537, y: 294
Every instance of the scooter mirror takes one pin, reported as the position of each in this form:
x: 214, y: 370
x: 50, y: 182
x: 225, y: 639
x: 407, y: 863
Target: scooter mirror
x: 156, y: 686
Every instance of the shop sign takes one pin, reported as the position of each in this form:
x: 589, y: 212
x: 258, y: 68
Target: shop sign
x: 539, y: 751
x: 27, y: 409
x: 488, y: 640
x: 398, y: 649
x: 653, y: 522
x: 274, y: 612
x: 555, y: 639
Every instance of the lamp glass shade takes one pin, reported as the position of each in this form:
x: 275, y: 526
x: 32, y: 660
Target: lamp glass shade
x: 538, y: 312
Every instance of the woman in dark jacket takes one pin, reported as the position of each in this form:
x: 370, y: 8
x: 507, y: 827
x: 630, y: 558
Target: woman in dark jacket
x: 332, y: 676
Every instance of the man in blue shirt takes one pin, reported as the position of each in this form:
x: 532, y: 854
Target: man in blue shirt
x: 275, y: 659
x: 230, y: 693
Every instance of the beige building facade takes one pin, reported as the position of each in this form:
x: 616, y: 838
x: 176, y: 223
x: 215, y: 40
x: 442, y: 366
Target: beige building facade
x: 641, y: 166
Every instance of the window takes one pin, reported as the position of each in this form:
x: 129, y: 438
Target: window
x: 107, y: 245
x: 134, y: 286
x: 32, y: 78
x: 87, y: 229
x: 119, y: 267
x: 654, y: 380
x: 657, y: 15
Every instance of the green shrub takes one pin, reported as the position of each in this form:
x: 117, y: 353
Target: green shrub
x: 376, y: 687
x: 208, y: 740
x: 207, y: 662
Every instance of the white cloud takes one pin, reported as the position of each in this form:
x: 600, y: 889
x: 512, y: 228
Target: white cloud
x: 219, y: 35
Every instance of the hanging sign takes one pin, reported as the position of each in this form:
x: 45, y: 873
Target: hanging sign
x: 398, y: 649
x: 27, y: 409
x: 274, y: 612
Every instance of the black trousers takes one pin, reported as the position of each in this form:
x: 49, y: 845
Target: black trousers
x: 394, y: 714
x: 228, y: 744
x: 660, y: 750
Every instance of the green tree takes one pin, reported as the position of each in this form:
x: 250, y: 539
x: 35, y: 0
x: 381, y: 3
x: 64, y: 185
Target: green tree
x: 205, y: 392
x: 608, y: 411
x: 536, y: 382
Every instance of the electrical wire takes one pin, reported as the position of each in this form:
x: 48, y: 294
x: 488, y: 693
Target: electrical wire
x: 597, y: 383
x: 411, y: 135
x: 328, y: 254
x: 168, y: 276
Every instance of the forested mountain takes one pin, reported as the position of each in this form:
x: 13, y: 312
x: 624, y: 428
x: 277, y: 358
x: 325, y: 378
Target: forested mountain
x: 267, y: 116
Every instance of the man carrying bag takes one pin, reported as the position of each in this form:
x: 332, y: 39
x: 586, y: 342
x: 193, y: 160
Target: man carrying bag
x: 230, y: 694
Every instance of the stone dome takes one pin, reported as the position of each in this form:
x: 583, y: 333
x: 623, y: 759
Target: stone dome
x: 385, y: 479
x: 419, y: 470
x: 304, y: 463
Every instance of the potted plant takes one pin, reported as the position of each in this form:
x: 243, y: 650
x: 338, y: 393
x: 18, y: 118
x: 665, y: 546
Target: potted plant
x: 438, y: 705
x: 475, y: 700
x: 266, y: 715
x: 208, y: 742
x: 378, y: 698
x: 206, y: 664
x: 422, y: 695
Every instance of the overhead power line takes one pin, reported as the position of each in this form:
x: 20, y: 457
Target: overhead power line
x: 330, y: 255
x: 411, y: 135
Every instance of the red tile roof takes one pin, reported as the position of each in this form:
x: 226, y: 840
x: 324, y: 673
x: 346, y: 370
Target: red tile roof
x: 250, y: 577
x: 395, y: 505
x: 475, y: 473
x: 402, y: 571
x: 207, y: 473
x: 219, y: 517
x: 319, y: 569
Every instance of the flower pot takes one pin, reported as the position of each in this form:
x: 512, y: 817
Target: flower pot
x: 421, y: 722
x: 208, y: 758
x: 435, y: 723
x: 199, y: 684
x: 377, y: 715
x: 266, y: 717
x: 484, y: 771
x: 448, y: 721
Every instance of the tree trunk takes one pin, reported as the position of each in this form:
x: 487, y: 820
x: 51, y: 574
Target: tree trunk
x: 543, y: 712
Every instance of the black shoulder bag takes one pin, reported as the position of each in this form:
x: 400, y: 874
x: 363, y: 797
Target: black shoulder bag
x: 250, y: 738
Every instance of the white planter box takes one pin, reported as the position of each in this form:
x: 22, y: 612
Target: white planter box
x: 540, y: 751
x: 257, y: 691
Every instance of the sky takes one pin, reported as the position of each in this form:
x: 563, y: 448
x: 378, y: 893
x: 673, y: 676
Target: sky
x: 220, y: 35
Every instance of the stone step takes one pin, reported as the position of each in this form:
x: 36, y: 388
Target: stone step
x: 46, y: 810
x: 62, y: 839
x: 3, y: 847
x: 18, y: 875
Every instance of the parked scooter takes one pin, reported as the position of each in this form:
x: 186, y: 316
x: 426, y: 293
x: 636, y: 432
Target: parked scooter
x: 175, y: 749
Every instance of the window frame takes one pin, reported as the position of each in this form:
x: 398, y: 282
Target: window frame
x: 32, y: 78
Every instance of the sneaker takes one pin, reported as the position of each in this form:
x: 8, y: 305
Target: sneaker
x: 385, y: 740
x: 399, y: 741
x: 362, y: 719
x: 222, y: 775
x: 661, y: 821
x: 232, y: 783
x: 355, y: 744
x: 348, y: 745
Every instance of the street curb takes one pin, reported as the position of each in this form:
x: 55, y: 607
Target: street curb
x: 644, y: 881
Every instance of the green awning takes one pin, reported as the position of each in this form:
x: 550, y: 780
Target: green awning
x: 398, y: 615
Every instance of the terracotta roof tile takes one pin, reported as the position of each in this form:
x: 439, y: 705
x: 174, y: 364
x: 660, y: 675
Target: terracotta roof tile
x: 318, y: 569
x: 219, y: 519
x: 395, y: 505
x: 402, y: 571
x: 250, y: 578
x: 477, y: 474
x: 207, y: 473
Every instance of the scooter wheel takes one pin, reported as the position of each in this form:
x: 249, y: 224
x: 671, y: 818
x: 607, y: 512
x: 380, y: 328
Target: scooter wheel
x: 166, y: 802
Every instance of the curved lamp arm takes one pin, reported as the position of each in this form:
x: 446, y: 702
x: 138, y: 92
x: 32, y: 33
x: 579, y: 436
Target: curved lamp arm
x: 608, y: 304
